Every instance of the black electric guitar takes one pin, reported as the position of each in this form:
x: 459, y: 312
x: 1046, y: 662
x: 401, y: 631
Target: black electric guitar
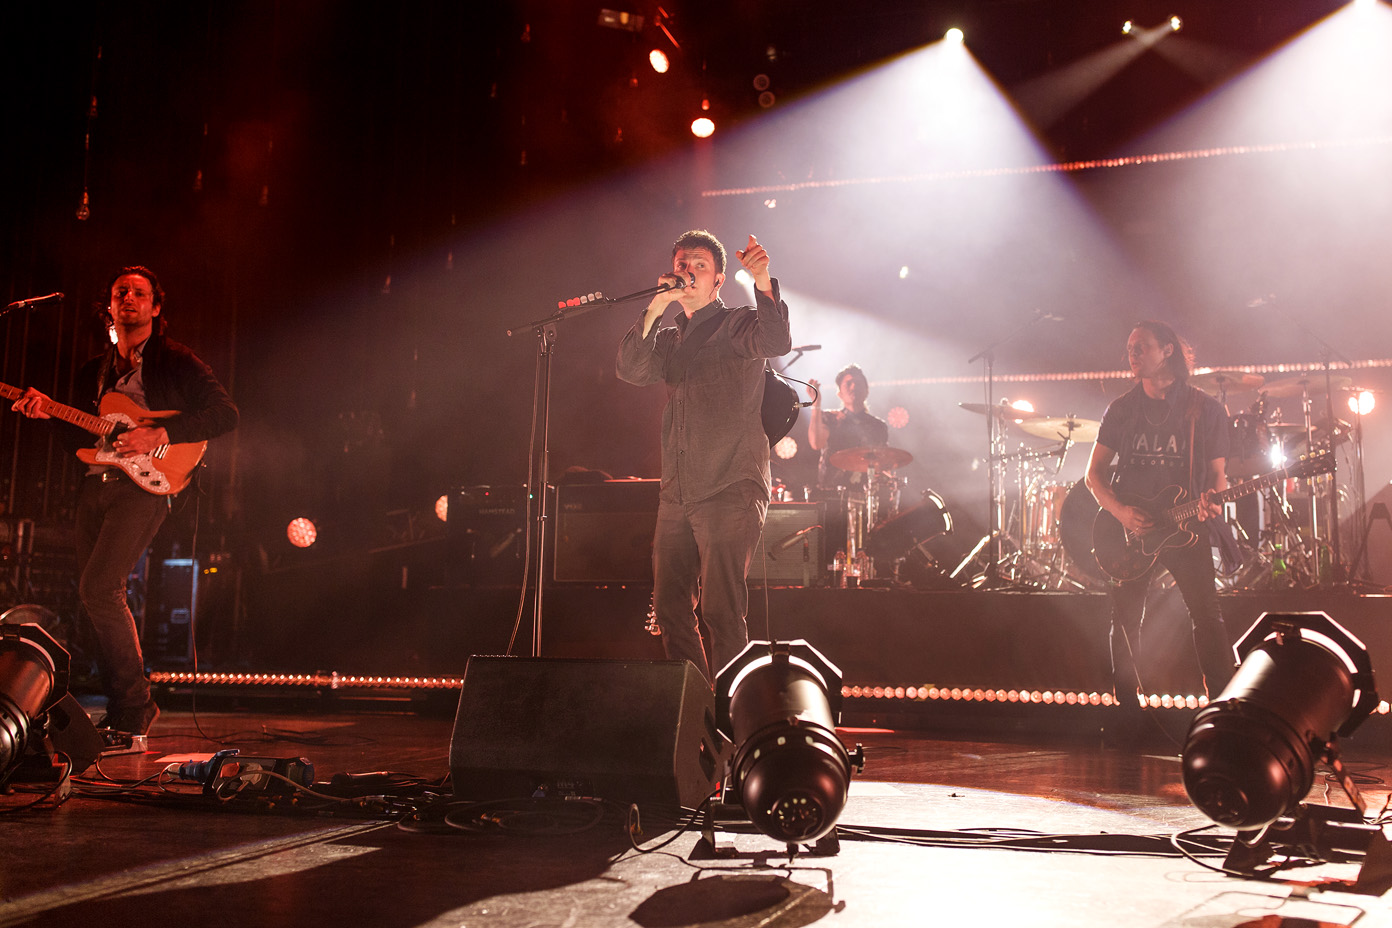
x: 1126, y: 556
x: 163, y: 472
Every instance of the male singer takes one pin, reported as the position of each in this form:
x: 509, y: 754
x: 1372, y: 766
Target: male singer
x: 715, y: 455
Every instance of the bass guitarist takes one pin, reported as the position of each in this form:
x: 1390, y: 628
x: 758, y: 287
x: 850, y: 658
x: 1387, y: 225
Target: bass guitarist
x: 1161, y: 434
x: 117, y: 518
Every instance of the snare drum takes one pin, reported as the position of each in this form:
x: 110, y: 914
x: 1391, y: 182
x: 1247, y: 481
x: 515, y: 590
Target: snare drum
x: 1043, y: 512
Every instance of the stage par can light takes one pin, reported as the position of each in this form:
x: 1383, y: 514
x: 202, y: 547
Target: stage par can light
x: 33, y: 678
x: 1303, y: 681
x: 778, y: 703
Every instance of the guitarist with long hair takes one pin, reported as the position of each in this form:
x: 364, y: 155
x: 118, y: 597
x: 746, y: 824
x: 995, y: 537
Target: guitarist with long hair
x: 1162, y: 441
x: 126, y: 492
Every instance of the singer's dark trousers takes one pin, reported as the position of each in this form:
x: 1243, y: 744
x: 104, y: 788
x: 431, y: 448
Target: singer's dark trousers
x: 1192, y: 569
x: 116, y: 521
x: 701, y: 553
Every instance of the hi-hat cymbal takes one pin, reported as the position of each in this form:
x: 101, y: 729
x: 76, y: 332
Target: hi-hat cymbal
x: 1308, y: 382
x: 1003, y: 412
x: 1226, y: 381
x: 881, y: 457
x: 1065, y: 428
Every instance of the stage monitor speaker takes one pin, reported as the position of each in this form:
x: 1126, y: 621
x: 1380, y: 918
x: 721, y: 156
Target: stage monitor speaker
x: 630, y: 731
x: 604, y: 531
x: 792, y: 551
x: 487, y: 536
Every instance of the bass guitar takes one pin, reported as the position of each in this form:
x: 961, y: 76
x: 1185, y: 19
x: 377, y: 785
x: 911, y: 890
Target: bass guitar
x: 163, y: 472
x: 1125, y: 555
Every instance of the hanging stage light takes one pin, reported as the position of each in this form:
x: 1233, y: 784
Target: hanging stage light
x: 33, y: 679
x: 1303, y: 681
x: 778, y: 703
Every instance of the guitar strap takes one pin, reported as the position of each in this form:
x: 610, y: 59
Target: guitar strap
x: 102, y: 374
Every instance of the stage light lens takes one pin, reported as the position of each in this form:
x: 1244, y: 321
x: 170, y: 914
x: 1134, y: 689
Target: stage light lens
x: 33, y: 678
x: 1249, y: 756
x: 658, y: 59
x: 703, y: 127
x: 1363, y: 403
x: 1175, y: 23
x: 301, y: 532
x: 955, y: 36
x: 442, y: 508
x: 786, y: 449
x: 790, y: 770
x: 1128, y: 27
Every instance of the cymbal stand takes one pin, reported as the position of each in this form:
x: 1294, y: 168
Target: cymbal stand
x: 992, y: 578
x: 1328, y: 354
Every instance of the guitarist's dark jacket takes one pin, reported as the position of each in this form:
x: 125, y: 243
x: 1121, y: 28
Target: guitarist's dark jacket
x: 174, y: 378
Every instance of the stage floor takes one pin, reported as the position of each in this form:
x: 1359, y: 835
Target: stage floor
x: 965, y: 815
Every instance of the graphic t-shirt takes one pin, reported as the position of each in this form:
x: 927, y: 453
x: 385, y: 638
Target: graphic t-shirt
x: 1151, y: 438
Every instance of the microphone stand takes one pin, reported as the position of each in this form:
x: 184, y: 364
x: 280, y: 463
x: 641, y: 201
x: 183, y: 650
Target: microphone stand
x: 995, y: 447
x: 539, y: 452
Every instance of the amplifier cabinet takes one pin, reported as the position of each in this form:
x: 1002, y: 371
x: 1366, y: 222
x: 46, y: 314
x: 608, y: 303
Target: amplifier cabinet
x: 487, y: 535
x: 604, y: 531
x: 792, y: 551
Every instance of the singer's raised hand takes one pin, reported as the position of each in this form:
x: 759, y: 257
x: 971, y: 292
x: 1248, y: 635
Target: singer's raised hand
x: 756, y: 261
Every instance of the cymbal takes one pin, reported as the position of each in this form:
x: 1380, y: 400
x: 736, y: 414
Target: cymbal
x: 1067, y: 427
x: 1003, y: 412
x: 1226, y: 381
x: 1310, y: 381
x: 879, y: 457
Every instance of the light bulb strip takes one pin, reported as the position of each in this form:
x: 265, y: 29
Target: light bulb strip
x: 1292, y: 367
x: 1058, y: 167
x: 331, y: 681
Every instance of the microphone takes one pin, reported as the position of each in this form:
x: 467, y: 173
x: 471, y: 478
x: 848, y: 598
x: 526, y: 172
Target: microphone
x: 789, y: 541
x: 808, y: 348
x: 680, y: 286
x: 35, y: 301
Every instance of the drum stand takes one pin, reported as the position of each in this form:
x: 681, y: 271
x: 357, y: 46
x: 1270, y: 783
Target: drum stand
x: 1033, y: 564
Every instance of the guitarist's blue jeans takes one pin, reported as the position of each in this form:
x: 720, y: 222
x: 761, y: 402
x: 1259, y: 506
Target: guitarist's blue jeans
x: 701, y: 552
x: 116, y: 521
x: 1192, y: 569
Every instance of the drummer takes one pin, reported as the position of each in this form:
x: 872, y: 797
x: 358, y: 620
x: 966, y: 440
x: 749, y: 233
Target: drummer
x: 851, y: 426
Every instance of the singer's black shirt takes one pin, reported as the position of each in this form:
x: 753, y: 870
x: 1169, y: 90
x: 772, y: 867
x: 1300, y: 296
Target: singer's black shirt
x: 712, y: 431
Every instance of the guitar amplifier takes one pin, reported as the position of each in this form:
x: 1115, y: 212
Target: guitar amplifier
x: 487, y: 535
x: 604, y: 531
x: 792, y: 551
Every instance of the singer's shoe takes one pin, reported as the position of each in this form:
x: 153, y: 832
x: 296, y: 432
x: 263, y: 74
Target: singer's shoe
x: 132, y: 721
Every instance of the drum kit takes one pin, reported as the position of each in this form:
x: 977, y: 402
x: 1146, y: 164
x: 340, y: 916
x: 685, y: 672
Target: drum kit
x: 1044, y: 535
x: 1290, y: 540
x: 1289, y: 534
x: 1031, y: 549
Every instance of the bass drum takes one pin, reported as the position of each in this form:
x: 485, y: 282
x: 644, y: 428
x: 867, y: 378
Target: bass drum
x: 1075, y: 528
x: 909, y: 529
